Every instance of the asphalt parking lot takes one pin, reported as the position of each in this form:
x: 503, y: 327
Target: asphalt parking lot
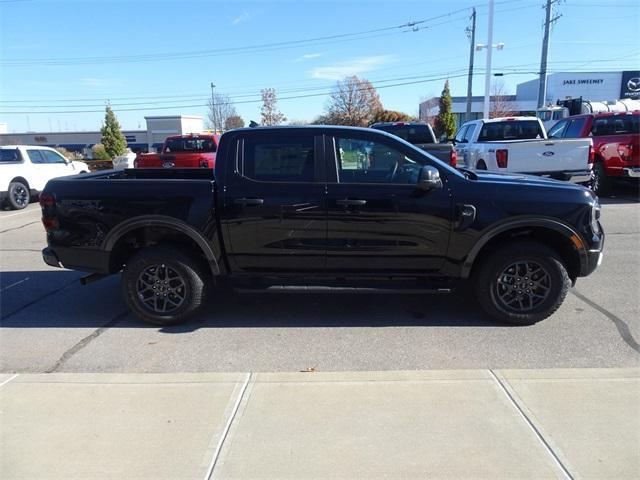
x: 50, y: 323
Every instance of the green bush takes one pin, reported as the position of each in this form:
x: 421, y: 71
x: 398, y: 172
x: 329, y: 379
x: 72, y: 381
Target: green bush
x: 99, y: 152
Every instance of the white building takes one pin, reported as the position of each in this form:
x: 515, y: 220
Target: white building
x: 158, y: 128
x: 594, y: 86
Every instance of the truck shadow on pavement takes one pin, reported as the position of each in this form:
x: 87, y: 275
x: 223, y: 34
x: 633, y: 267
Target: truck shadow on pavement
x: 55, y: 299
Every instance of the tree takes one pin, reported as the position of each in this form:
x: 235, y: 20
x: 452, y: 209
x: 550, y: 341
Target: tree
x: 269, y: 111
x: 391, y: 116
x: 112, y: 138
x: 220, y: 110
x: 234, y: 121
x: 99, y: 152
x: 445, y: 124
x: 354, y: 101
x: 500, y: 106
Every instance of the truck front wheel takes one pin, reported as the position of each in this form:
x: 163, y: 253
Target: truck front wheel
x: 521, y: 283
x: 164, y: 285
x: 600, y: 184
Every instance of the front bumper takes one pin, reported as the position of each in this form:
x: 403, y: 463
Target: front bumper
x: 593, y: 258
x: 633, y: 172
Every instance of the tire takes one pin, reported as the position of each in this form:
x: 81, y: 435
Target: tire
x: 500, y: 274
x: 164, y: 285
x: 481, y: 165
x: 601, y: 184
x: 18, y: 195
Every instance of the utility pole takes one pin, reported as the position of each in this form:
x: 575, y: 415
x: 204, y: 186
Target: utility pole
x: 213, y: 110
x: 472, y: 33
x: 542, y: 90
x: 487, y: 79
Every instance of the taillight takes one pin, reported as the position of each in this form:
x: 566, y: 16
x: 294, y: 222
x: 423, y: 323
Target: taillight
x: 502, y: 158
x: 46, y: 200
x: 453, y: 160
x: 50, y: 223
x: 592, y: 154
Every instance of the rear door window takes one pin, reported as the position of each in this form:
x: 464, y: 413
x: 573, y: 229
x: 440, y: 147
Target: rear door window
x: 285, y: 159
x: 53, y: 157
x: 36, y: 156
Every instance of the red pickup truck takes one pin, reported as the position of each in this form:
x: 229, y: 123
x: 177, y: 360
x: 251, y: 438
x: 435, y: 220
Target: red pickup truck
x: 182, y: 151
x: 616, y: 141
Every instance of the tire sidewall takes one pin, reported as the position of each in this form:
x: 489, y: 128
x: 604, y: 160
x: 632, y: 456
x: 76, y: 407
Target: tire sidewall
x: 12, y: 187
x: 191, y: 276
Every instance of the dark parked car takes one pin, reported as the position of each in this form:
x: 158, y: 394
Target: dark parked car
x: 324, y: 209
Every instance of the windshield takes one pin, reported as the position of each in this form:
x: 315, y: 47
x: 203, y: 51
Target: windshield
x: 510, y: 130
x: 411, y: 133
x: 191, y: 144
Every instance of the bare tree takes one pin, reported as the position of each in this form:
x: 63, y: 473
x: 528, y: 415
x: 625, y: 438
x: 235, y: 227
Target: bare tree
x: 500, y: 104
x: 234, y: 121
x: 220, y: 109
x: 269, y: 111
x: 354, y: 101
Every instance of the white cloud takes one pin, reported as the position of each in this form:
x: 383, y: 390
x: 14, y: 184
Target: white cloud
x: 356, y: 66
x: 307, y: 56
x: 98, y: 82
x: 243, y: 17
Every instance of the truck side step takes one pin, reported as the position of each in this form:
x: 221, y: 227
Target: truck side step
x: 330, y: 289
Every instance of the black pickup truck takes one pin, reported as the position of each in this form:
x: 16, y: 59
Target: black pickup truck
x: 333, y: 209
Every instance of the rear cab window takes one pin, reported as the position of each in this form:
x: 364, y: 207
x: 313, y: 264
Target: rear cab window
x: 411, y: 133
x: 615, y: 125
x: 193, y: 144
x: 459, y: 138
x: 510, y: 130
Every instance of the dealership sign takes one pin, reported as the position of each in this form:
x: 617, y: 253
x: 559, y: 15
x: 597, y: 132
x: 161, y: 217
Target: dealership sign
x: 630, y: 85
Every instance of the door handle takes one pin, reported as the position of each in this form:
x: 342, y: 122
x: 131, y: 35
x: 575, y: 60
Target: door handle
x: 351, y: 203
x: 248, y: 201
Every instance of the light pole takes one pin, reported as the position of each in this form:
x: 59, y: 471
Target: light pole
x: 489, y: 46
x: 213, y: 110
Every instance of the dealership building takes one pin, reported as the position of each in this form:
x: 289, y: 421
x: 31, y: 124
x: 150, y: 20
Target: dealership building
x: 158, y: 128
x: 594, y: 86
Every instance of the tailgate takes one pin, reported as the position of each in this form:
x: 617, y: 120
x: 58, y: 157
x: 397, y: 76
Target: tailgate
x: 540, y: 156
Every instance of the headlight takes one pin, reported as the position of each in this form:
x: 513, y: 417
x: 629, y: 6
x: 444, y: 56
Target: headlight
x: 595, y: 216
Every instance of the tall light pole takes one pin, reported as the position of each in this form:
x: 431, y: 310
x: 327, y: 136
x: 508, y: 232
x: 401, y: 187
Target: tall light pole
x: 213, y: 109
x: 487, y: 76
x: 472, y: 33
x: 542, y: 89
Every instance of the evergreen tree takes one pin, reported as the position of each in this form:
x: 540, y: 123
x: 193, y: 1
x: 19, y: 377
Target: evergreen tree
x: 112, y: 138
x: 445, y: 124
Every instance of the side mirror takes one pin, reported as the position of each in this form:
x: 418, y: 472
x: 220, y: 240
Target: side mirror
x: 429, y: 178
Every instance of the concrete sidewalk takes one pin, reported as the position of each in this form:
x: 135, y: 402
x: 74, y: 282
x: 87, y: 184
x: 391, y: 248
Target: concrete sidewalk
x: 427, y: 424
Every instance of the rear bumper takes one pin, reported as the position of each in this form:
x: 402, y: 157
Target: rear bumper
x: 632, y: 172
x: 579, y: 176
x: 82, y: 259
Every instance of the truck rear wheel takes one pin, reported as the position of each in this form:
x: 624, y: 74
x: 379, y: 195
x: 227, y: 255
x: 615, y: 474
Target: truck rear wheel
x: 164, y: 285
x: 521, y: 283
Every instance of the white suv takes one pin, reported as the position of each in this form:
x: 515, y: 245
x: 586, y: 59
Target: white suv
x: 25, y: 170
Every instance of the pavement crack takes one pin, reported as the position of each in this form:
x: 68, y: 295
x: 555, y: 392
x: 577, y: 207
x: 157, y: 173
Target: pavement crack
x: 621, y: 325
x: 18, y: 228
x: 66, y: 356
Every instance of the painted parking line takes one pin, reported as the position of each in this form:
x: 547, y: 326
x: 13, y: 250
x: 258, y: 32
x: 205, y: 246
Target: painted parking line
x: 14, y: 284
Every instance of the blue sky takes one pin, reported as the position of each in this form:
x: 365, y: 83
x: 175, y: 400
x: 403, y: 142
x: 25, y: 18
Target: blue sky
x: 146, y: 56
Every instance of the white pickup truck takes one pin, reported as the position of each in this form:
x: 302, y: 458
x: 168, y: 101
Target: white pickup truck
x: 520, y: 145
x: 25, y: 170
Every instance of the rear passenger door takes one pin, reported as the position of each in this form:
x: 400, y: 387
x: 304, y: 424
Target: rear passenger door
x: 274, y: 207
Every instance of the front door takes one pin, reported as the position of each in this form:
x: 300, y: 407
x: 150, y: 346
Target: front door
x: 378, y: 221
x: 274, y: 204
